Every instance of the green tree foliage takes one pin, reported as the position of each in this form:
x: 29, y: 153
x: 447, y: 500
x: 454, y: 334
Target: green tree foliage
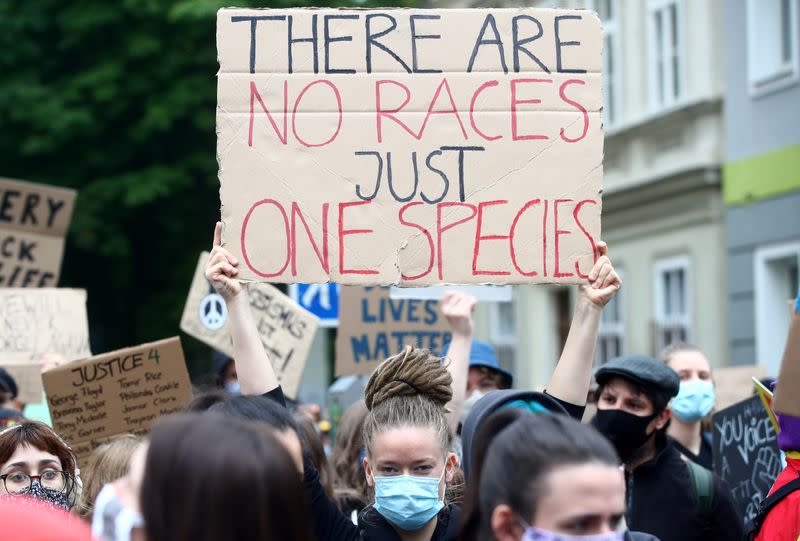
x: 117, y: 98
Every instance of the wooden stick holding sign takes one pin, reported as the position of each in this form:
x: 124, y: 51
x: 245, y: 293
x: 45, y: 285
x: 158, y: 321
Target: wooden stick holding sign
x: 115, y: 393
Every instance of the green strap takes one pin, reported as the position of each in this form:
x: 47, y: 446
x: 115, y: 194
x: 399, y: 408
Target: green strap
x: 703, y: 482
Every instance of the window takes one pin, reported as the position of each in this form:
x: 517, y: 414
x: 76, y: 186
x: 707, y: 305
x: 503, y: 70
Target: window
x: 772, y: 45
x: 609, y: 13
x: 776, y: 283
x: 672, y: 322
x: 503, y: 332
x: 664, y: 52
x: 611, y: 337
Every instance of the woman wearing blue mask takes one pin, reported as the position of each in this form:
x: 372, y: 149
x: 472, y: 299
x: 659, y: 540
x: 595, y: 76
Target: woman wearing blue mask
x: 694, y: 402
x: 407, y: 433
x: 548, y: 478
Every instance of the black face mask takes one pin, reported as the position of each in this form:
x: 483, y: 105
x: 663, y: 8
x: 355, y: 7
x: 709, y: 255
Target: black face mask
x: 626, y: 432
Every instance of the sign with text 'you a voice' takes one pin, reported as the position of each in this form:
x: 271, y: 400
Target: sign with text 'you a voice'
x: 410, y: 147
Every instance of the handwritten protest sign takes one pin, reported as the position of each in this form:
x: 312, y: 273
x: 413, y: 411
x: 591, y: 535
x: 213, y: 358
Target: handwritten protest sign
x: 123, y: 391
x: 34, y: 219
x: 746, y: 453
x: 410, y: 147
x: 787, y: 392
x: 286, y: 329
x: 373, y: 326
x: 38, y: 321
x: 735, y: 383
x: 28, y: 379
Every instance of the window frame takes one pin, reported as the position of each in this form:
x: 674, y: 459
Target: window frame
x: 766, y: 318
x: 615, y: 329
x: 616, y: 80
x: 670, y: 101
x: 660, y: 318
x: 790, y: 74
x: 496, y: 334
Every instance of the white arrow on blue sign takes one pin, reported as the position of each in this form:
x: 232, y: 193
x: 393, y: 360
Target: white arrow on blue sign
x: 322, y: 300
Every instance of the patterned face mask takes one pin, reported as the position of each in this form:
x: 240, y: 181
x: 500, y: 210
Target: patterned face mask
x: 56, y: 498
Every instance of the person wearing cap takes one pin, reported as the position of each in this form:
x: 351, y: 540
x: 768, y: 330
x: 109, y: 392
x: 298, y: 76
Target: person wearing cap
x: 668, y: 497
x: 485, y: 374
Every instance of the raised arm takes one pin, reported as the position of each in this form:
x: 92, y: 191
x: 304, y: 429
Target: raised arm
x: 253, y: 365
x: 573, y: 373
x: 457, y: 308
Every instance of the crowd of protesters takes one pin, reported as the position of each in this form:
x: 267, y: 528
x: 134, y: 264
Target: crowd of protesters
x: 442, y: 447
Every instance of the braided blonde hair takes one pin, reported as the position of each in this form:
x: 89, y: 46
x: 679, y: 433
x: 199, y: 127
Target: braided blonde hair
x: 411, y: 388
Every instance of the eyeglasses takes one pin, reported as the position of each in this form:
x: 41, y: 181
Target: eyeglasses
x: 16, y: 483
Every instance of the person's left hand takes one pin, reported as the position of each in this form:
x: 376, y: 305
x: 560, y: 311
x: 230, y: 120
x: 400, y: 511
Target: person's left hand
x: 603, y: 281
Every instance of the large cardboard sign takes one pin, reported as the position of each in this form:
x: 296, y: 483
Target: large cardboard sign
x: 735, y: 383
x: 34, y: 219
x: 787, y: 392
x: 38, y: 321
x: 123, y: 391
x: 410, y: 147
x: 286, y: 329
x: 28, y: 378
x: 373, y: 326
x: 746, y: 453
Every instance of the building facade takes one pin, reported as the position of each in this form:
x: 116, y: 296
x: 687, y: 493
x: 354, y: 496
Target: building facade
x: 761, y: 179
x: 663, y: 211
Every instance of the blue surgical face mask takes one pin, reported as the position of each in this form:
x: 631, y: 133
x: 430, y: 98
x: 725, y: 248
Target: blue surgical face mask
x: 233, y: 387
x: 408, y: 501
x: 695, y: 400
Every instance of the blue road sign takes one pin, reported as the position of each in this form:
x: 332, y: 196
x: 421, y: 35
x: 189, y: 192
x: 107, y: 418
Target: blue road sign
x: 322, y: 300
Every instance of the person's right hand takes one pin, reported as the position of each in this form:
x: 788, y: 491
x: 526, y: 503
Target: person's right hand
x: 221, y: 269
x: 457, y: 309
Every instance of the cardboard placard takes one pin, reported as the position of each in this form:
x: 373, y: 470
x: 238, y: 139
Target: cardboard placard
x: 28, y: 378
x: 373, y: 326
x: 34, y: 322
x: 119, y: 392
x: 735, y: 383
x: 34, y: 219
x: 286, y: 328
x: 481, y: 293
x: 746, y: 453
x: 410, y: 147
x: 787, y: 392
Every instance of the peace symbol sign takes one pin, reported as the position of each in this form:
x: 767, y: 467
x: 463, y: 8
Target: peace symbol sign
x: 213, y: 312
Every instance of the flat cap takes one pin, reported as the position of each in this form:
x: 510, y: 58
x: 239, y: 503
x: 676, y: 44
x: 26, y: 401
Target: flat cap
x: 643, y: 370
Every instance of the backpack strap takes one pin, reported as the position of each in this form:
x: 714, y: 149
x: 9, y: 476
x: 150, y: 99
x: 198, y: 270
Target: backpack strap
x: 703, y: 483
x: 753, y: 527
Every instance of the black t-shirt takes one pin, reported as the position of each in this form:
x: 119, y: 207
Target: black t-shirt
x: 705, y: 457
x: 574, y: 411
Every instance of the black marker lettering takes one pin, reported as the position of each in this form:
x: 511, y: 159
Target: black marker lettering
x: 560, y: 44
x: 312, y: 40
